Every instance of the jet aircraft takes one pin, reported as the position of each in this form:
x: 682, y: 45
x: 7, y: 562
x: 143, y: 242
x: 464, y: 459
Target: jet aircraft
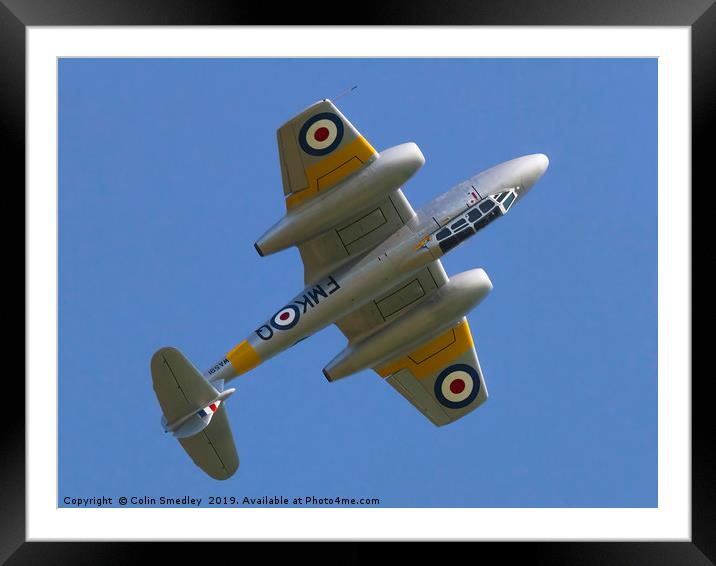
x: 371, y: 267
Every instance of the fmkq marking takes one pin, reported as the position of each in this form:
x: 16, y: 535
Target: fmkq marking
x: 289, y: 315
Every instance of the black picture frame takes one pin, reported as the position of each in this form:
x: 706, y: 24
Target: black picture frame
x: 699, y: 15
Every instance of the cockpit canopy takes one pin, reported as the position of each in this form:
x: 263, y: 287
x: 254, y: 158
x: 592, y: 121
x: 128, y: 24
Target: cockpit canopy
x: 475, y: 218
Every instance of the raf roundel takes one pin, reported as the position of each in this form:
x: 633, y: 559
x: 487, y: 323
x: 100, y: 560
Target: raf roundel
x: 321, y: 134
x: 286, y: 318
x: 457, y: 386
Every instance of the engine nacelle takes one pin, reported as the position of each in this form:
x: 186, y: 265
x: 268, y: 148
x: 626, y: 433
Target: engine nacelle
x: 442, y: 310
x: 356, y: 194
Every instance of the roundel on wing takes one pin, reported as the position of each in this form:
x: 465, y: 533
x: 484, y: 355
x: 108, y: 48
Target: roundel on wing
x: 457, y: 386
x: 321, y: 134
x: 286, y: 318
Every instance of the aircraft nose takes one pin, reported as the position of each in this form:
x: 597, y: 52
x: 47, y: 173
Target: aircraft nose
x: 534, y: 167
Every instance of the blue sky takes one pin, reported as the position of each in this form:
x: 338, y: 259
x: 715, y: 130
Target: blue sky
x: 168, y: 172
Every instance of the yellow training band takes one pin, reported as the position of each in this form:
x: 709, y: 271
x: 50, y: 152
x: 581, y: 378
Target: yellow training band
x: 243, y: 358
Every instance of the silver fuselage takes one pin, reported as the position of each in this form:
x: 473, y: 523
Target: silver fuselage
x: 434, y: 230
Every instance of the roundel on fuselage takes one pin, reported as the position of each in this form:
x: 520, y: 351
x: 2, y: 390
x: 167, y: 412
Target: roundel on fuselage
x: 321, y: 134
x: 286, y: 318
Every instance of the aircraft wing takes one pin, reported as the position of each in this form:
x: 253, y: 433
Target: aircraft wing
x: 442, y: 378
x: 318, y: 148
x: 312, y: 165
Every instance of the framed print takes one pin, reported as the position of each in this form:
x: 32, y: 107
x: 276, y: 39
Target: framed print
x: 149, y: 152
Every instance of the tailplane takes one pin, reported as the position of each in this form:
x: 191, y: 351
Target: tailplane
x: 194, y: 412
